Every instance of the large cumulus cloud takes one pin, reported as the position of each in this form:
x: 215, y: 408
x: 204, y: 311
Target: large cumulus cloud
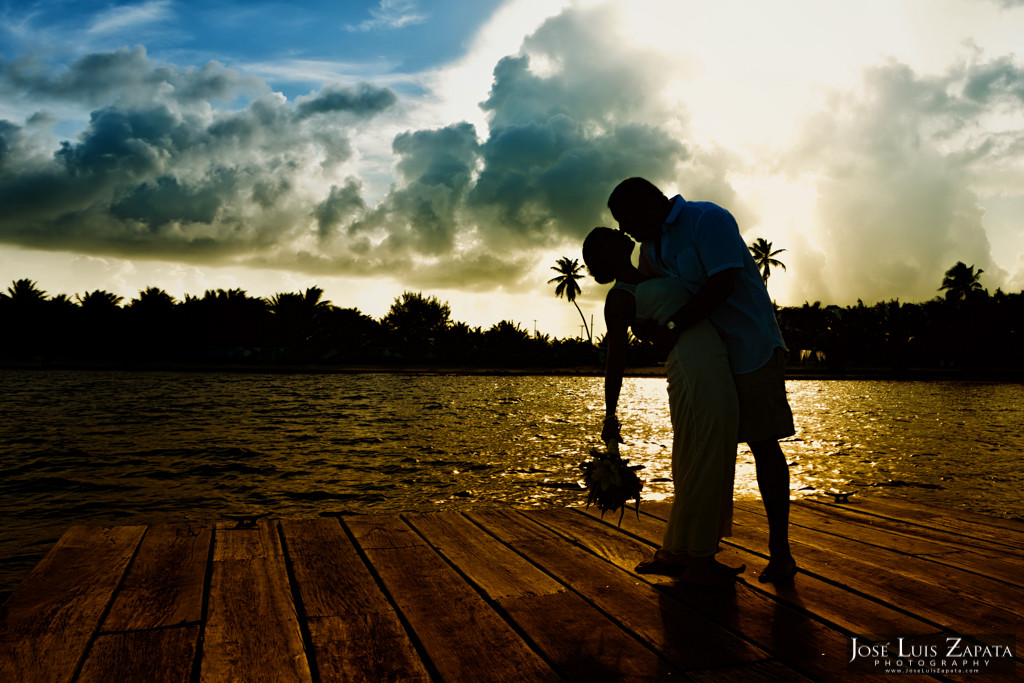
x: 899, y: 167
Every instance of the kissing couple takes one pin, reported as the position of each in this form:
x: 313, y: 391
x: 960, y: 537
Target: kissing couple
x: 699, y: 296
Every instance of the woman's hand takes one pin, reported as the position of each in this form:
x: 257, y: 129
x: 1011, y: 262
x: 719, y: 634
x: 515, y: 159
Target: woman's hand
x: 611, y: 430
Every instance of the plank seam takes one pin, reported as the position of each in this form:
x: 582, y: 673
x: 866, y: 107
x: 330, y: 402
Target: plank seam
x: 417, y: 644
x: 300, y: 607
x: 197, y: 663
x: 106, y: 610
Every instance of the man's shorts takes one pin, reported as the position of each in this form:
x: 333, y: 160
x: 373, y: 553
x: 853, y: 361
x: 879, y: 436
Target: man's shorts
x: 765, y: 414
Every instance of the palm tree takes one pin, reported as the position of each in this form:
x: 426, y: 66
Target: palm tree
x: 761, y: 249
x: 99, y: 302
x: 24, y: 292
x: 961, y: 281
x: 568, y: 273
x: 152, y: 301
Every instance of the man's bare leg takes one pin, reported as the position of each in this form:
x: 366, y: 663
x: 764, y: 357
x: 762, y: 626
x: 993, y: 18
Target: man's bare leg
x: 773, y: 481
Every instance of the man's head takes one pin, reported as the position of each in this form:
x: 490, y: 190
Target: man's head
x: 639, y: 207
x: 606, y: 252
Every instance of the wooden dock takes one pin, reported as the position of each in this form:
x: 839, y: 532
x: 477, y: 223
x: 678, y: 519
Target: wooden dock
x: 501, y: 595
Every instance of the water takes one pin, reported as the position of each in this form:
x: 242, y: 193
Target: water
x: 123, y: 448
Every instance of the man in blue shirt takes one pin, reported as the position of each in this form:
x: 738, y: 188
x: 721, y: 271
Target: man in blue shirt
x: 700, y: 243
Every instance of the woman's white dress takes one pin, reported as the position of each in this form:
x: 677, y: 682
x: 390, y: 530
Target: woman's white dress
x: 705, y: 422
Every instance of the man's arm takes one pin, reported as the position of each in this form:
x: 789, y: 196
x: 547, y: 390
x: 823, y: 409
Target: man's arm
x: 705, y: 300
x: 712, y: 294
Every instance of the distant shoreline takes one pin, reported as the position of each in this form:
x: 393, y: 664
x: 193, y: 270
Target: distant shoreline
x: 793, y: 372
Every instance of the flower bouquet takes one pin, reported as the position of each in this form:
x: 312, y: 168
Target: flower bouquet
x: 611, y: 481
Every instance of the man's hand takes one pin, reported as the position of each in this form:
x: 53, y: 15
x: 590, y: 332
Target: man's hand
x: 665, y: 340
x: 646, y: 330
x: 649, y: 330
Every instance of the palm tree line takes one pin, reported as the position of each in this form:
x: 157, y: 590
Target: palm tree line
x: 229, y: 326
x: 965, y: 328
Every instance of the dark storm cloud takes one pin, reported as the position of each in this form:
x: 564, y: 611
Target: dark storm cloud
x: 125, y: 75
x: 159, y: 170
x: 997, y: 80
x: 363, y: 100
x: 342, y: 204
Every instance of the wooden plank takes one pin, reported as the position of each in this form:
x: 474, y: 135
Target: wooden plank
x: 980, y: 530
x: 684, y: 637
x: 880, y: 575
x: 164, y: 585
x: 355, y: 632
x: 48, y: 620
x: 333, y: 579
x: 916, y: 508
x: 495, y: 568
x: 156, y: 656
x: 365, y: 647
x: 581, y: 643
x: 252, y: 630
x: 455, y: 627
x: 934, y: 545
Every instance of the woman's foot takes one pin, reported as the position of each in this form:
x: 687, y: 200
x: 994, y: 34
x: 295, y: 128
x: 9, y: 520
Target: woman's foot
x: 778, y: 571
x: 663, y: 562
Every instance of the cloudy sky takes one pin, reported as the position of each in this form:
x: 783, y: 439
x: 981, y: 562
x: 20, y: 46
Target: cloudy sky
x: 458, y: 148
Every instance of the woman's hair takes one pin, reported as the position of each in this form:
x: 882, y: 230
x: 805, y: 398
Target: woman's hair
x: 597, y: 255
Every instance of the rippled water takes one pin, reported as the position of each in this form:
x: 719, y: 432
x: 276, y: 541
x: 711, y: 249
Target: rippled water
x: 121, y: 447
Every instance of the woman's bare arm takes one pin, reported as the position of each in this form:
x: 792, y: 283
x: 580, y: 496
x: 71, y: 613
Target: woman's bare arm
x: 619, y: 312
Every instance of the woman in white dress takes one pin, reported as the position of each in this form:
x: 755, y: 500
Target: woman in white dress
x: 702, y: 402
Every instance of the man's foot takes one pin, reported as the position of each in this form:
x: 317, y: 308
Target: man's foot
x: 726, y: 570
x: 778, y: 571
x: 709, y: 574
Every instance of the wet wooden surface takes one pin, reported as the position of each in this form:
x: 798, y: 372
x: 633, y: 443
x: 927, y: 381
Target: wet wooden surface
x: 501, y: 595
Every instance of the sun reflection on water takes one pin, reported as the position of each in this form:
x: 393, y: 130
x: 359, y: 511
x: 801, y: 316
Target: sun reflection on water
x: 151, y: 447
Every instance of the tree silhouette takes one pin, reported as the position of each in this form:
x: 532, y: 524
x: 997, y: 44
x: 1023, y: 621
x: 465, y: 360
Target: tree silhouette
x: 23, y: 293
x: 417, y: 324
x: 961, y: 282
x: 297, y: 317
x: 25, y: 324
x: 966, y: 332
x: 761, y: 250
x: 152, y: 301
x: 99, y: 302
x: 569, y: 271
